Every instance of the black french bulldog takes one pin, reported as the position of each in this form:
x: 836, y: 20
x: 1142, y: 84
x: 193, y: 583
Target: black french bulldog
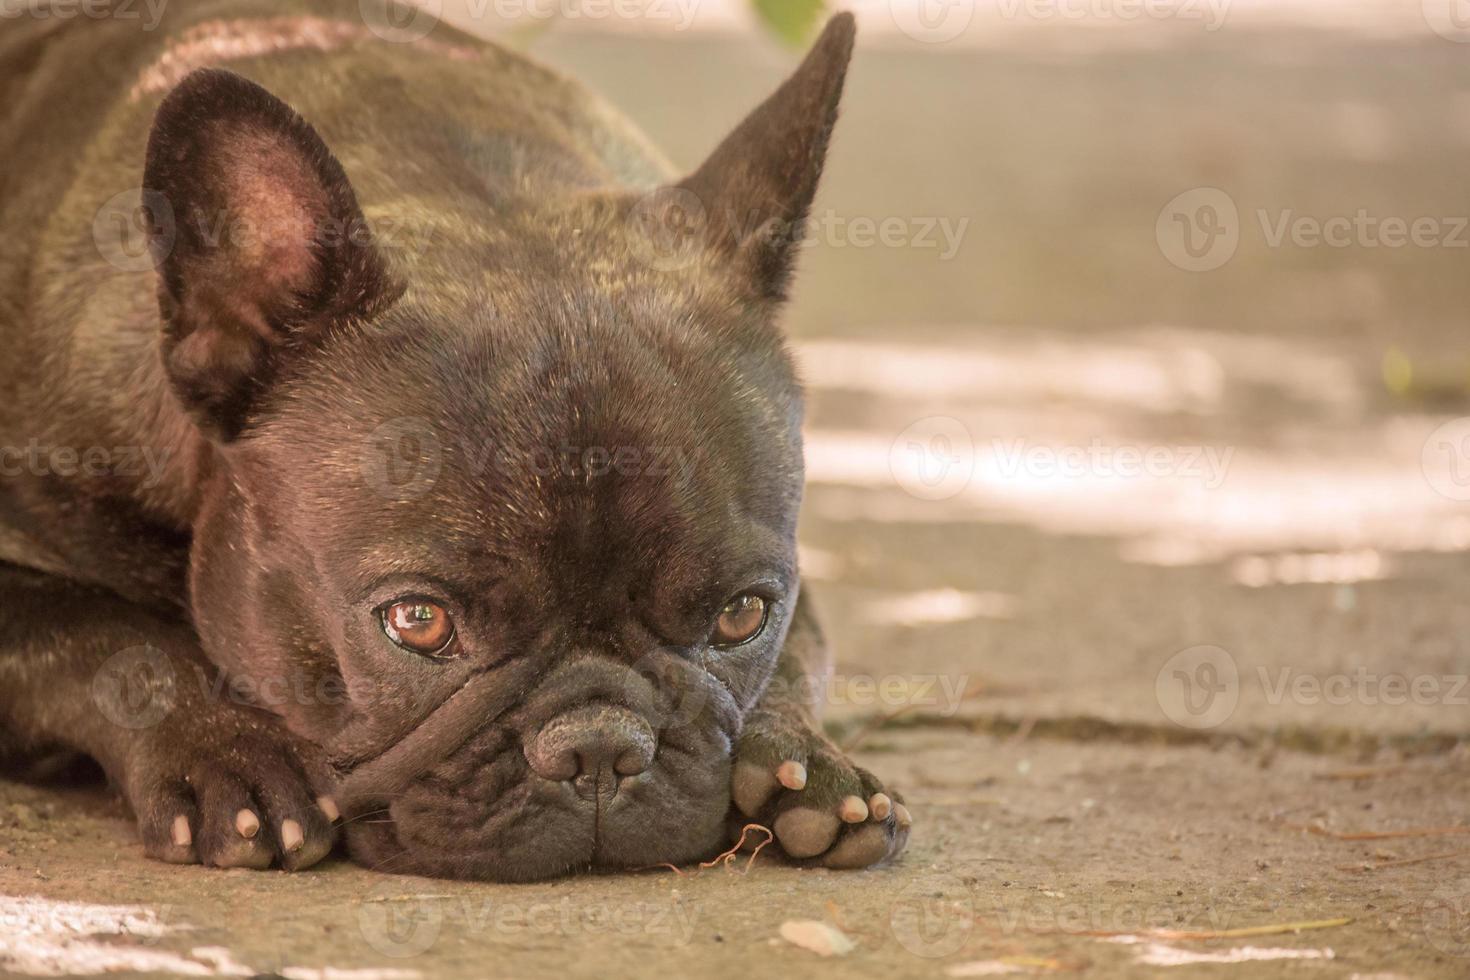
x: 433, y: 472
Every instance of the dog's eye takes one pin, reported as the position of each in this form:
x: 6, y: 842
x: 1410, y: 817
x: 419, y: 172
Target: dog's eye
x: 418, y: 626
x: 740, y: 621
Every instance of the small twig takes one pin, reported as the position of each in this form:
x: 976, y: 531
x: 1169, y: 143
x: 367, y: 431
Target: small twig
x: 727, y: 858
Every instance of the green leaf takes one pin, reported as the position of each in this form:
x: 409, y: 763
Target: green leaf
x: 792, y: 20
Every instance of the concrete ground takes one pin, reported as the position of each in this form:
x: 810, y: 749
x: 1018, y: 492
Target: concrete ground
x: 1146, y: 563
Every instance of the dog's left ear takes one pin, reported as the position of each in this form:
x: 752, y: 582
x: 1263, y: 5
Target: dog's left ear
x: 757, y: 186
x: 259, y: 241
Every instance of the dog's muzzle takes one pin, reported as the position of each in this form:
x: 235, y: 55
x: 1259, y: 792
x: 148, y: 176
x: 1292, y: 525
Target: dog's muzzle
x: 593, y: 748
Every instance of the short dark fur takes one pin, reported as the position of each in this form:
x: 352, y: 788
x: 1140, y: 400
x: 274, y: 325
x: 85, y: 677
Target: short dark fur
x: 465, y: 284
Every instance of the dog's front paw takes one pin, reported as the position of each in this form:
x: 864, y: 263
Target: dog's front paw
x: 823, y: 809
x: 234, y: 791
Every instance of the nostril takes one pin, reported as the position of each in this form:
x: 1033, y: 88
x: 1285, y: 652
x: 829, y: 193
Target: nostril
x: 635, y: 760
x: 592, y: 747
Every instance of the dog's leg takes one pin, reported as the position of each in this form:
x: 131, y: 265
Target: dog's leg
x: 209, y: 780
x: 789, y: 776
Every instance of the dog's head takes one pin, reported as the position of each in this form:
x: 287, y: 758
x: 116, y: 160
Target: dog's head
x: 512, y: 533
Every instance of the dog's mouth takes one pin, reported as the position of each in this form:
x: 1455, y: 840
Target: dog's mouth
x: 531, y: 828
x: 594, y: 769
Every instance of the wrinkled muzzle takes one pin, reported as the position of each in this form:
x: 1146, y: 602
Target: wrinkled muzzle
x: 600, y: 765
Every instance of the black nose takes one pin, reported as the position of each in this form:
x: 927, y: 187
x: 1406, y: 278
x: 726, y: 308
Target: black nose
x: 592, y: 748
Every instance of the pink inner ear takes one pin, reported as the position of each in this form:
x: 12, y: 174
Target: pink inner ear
x: 277, y: 216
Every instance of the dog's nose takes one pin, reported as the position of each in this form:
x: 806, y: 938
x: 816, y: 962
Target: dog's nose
x: 592, y: 748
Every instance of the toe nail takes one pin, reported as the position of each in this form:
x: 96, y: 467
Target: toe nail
x: 291, y: 836
x: 247, y: 823
x: 902, y: 813
x: 791, y: 774
x: 853, y: 810
x: 880, y: 805
x: 329, y: 807
x: 182, y: 835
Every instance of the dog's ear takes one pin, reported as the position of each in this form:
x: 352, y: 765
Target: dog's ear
x: 258, y: 238
x: 757, y: 186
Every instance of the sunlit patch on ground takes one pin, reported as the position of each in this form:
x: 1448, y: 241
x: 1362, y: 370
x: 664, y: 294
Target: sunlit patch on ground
x: 1154, y: 441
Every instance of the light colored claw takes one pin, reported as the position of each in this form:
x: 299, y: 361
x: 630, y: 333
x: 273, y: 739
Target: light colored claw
x: 880, y: 806
x: 247, y: 824
x: 852, y: 809
x: 901, y: 812
x: 292, y: 836
x: 791, y: 774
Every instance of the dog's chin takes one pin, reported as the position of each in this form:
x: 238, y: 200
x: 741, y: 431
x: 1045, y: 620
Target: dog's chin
x: 543, y: 830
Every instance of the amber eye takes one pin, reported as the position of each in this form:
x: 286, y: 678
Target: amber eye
x: 740, y: 621
x: 418, y: 626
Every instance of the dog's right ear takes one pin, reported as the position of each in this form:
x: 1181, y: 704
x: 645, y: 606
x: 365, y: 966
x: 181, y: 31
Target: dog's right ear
x: 757, y: 186
x: 259, y: 241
